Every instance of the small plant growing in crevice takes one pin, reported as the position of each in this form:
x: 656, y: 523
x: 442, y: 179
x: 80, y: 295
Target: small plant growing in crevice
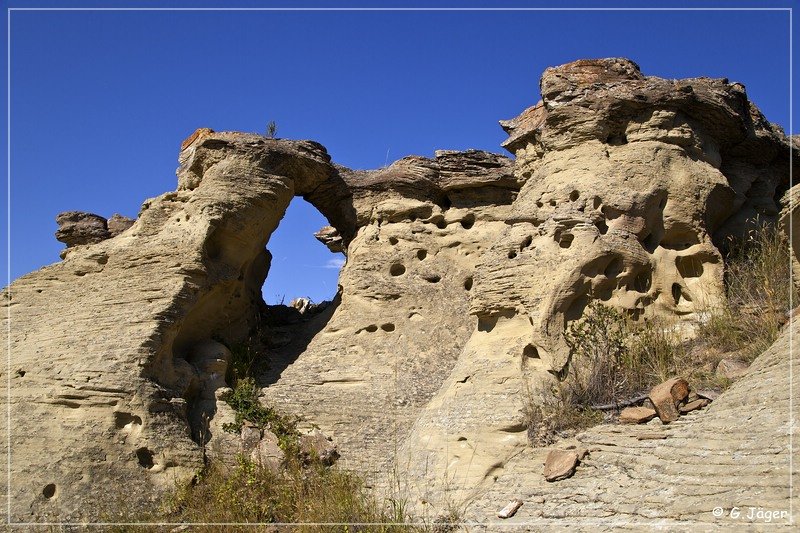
x: 245, y: 361
x: 243, y: 399
x: 598, y: 356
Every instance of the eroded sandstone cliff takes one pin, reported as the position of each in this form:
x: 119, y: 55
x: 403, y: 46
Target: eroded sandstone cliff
x: 462, y: 272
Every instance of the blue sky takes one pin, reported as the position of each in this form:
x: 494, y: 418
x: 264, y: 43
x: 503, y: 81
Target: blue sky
x: 100, y: 101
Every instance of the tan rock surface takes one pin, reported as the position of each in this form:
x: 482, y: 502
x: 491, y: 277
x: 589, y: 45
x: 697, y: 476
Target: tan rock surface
x: 462, y: 272
x: 630, y: 184
x: 114, y: 363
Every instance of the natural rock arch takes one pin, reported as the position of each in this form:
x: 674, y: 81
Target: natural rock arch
x: 462, y: 272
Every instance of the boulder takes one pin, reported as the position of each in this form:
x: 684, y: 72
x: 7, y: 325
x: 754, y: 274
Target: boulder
x: 315, y: 445
x: 667, y: 396
x: 249, y: 438
x: 267, y: 453
x: 330, y: 237
x: 78, y: 227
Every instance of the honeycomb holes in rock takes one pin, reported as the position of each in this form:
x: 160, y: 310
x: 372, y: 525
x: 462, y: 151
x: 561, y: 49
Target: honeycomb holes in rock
x: 388, y: 327
x: 393, y: 240
x: 49, y: 490
x: 397, y: 269
x: 468, y: 283
x: 468, y: 221
x: 530, y: 352
x: 651, y: 241
x: 126, y: 420
x: 145, y: 458
x: 642, y: 281
x: 433, y: 278
x: 614, y: 268
x: 678, y: 294
x: 689, y: 267
x: 565, y: 240
x: 422, y: 254
x: 617, y: 139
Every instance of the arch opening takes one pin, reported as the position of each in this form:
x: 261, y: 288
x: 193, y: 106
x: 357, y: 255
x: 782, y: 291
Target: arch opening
x: 301, y: 266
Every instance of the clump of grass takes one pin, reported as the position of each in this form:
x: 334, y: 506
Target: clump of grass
x: 758, y: 292
x: 595, y: 371
x: 299, y: 495
x: 245, y: 361
x: 556, y: 417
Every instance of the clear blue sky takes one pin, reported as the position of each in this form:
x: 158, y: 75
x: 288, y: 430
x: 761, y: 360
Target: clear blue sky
x: 100, y: 101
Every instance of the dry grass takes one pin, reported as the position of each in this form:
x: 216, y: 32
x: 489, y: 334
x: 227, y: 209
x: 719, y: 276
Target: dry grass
x: 758, y: 286
x: 614, y: 358
x: 299, y: 495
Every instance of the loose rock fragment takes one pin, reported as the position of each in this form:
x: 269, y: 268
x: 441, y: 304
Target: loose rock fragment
x: 560, y: 464
x: 667, y: 396
x: 267, y: 454
x: 510, y: 510
x: 692, y: 406
x: 636, y: 415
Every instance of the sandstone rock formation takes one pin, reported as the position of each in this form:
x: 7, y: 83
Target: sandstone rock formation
x: 462, y: 272
x: 631, y: 186
x: 117, y: 350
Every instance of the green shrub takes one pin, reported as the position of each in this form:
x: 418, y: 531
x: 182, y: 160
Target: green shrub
x: 244, y: 401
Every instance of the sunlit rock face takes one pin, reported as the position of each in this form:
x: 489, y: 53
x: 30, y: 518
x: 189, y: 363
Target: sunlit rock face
x: 462, y: 272
x: 116, y: 351
x: 631, y: 186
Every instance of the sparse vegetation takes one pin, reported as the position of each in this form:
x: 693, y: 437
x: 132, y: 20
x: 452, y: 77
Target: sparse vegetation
x: 244, y: 362
x: 302, y: 494
x: 244, y: 401
x: 272, y: 129
x: 759, y: 288
x: 614, y: 358
x: 305, y: 492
